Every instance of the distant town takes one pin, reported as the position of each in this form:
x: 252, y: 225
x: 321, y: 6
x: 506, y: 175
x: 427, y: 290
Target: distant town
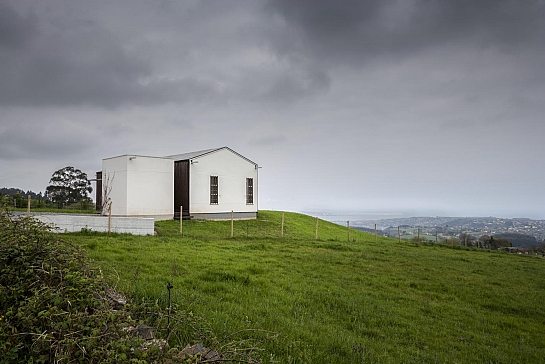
x: 521, y: 232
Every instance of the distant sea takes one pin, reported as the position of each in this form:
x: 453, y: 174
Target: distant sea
x: 341, y: 217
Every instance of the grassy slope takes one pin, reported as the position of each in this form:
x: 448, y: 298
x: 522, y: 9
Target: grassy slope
x: 339, y: 301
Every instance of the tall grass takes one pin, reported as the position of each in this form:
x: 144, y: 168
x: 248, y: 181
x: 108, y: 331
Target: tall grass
x: 339, y: 301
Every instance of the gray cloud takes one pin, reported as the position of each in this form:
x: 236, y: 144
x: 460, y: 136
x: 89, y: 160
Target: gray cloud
x: 15, y: 30
x: 65, y: 61
x: 346, y: 104
x: 354, y: 32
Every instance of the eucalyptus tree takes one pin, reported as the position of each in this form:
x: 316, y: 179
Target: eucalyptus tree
x: 67, y: 186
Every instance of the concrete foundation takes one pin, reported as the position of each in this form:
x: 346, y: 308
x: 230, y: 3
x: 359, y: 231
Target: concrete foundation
x: 225, y: 216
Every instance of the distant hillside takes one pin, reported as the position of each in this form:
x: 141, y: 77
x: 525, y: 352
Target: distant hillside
x: 522, y: 228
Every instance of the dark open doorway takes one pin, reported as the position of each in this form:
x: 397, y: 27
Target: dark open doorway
x: 181, y: 189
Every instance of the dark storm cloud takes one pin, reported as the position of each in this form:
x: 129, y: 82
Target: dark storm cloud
x: 355, y: 31
x: 15, y: 30
x: 288, y: 87
x: 29, y: 140
x: 72, y: 61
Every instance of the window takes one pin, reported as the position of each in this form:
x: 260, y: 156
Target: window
x: 213, y: 190
x: 249, y: 191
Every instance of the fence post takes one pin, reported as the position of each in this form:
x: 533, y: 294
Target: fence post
x: 419, y: 234
x: 375, y: 233
x: 348, y: 228
x: 398, y: 235
x: 436, y: 236
x: 232, y: 218
x: 282, y: 227
x: 28, y: 206
x: 181, y: 229
x: 169, y: 287
x: 316, y: 227
x: 109, y: 217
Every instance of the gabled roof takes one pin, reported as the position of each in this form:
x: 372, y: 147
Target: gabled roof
x: 191, y: 155
x: 200, y: 153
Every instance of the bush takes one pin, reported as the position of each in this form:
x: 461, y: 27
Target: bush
x: 52, y: 303
x: 54, y: 308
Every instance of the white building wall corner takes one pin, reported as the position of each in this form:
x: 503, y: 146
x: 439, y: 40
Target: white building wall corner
x: 141, y: 186
x: 232, y: 171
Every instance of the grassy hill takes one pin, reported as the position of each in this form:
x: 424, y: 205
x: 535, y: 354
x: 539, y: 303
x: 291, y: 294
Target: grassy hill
x: 335, y: 300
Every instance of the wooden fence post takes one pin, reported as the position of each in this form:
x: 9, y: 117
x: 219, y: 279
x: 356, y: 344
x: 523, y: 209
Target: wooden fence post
x: 181, y: 229
x: 232, y: 223
x: 316, y: 227
x: 348, y: 228
x: 375, y: 233
x: 436, y: 236
x: 398, y: 235
x: 282, y: 227
x: 418, y: 235
x: 28, y: 206
x: 109, y: 217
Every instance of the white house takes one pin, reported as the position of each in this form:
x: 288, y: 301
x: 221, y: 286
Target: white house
x: 208, y: 184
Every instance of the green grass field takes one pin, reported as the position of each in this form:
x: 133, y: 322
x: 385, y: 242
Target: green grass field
x: 335, y: 300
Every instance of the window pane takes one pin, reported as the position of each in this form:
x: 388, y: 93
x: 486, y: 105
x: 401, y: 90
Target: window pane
x: 213, y: 189
x: 249, y: 190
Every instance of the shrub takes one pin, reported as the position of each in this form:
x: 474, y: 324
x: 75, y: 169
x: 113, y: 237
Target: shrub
x: 54, y: 308
x: 52, y: 302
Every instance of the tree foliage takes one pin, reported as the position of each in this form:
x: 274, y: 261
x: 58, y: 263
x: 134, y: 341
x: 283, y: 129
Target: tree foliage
x: 519, y: 240
x: 466, y: 239
x: 67, y: 186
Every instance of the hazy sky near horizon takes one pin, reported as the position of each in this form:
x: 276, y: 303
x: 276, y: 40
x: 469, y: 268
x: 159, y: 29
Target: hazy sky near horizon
x: 436, y: 107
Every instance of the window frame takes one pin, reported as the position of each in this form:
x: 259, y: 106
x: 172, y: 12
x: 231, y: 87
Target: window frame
x: 249, y: 191
x: 214, y: 190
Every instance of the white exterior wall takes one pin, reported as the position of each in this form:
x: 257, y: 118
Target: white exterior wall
x: 141, y: 186
x: 232, y: 171
x: 114, y: 173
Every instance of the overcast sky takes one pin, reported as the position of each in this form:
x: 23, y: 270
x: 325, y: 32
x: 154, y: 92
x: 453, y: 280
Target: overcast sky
x: 432, y: 107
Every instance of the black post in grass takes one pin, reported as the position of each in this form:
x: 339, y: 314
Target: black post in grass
x: 169, y: 287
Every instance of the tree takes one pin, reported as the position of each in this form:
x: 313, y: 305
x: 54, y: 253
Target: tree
x: 67, y: 186
x: 107, y: 183
x: 496, y: 243
x: 484, y: 241
x: 466, y: 239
